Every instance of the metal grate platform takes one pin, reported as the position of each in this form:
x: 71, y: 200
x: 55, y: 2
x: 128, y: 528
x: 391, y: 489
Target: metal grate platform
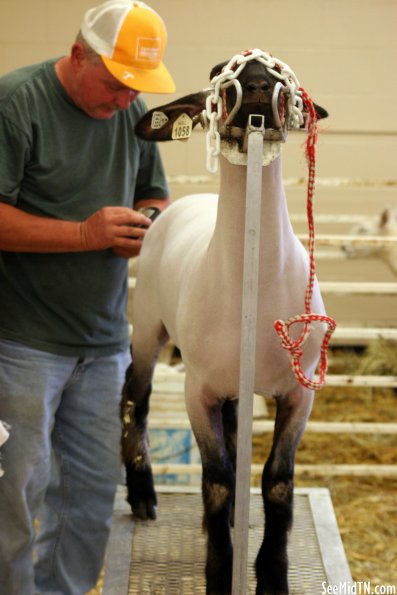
x: 166, y: 556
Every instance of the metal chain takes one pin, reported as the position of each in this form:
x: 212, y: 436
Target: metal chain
x: 228, y: 77
x: 213, y: 138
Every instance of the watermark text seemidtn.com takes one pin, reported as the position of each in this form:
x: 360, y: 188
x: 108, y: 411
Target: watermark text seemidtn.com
x: 358, y: 588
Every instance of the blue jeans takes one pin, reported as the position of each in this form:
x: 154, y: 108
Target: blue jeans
x: 61, y: 465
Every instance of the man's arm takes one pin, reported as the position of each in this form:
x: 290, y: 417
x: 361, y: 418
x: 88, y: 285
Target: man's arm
x: 110, y: 227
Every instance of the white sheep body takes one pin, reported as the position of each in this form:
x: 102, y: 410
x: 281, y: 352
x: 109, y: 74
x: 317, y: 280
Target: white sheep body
x: 190, y: 279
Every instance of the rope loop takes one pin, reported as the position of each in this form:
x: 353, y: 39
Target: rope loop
x: 282, y: 328
x: 294, y: 346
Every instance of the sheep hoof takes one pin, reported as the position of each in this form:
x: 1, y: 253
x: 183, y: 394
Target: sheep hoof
x: 145, y: 511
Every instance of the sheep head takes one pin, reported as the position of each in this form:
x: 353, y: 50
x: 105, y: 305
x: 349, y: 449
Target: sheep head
x: 257, y: 87
x: 252, y: 91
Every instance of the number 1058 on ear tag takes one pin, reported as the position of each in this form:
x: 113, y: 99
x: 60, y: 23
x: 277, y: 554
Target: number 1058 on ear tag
x: 182, y: 127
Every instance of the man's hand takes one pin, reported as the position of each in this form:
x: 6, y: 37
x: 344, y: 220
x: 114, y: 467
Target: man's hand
x: 114, y: 227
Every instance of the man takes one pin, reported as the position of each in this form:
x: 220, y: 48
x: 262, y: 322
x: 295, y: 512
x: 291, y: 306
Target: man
x: 73, y: 179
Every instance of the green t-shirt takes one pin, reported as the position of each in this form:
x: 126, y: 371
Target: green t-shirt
x: 56, y: 161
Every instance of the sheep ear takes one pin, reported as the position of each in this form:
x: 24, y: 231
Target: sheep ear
x: 173, y: 121
x: 320, y: 111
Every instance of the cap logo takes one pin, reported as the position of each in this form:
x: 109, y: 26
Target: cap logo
x: 128, y: 75
x: 148, y: 49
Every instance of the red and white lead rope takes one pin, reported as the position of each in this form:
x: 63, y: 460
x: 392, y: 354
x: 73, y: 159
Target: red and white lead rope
x: 297, y: 101
x: 295, y: 346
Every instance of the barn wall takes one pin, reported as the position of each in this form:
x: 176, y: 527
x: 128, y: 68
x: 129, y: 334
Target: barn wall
x: 343, y: 52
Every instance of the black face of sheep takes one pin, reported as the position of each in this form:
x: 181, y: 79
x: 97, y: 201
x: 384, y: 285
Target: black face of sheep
x: 257, y: 85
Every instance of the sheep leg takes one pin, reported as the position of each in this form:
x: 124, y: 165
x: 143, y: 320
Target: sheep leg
x: 134, y: 410
x: 217, y: 489
x: 229, y: 417
x: 277, y: 490
x: 135, y: 446
x: 217, y: 492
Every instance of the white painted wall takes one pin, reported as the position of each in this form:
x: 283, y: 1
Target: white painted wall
x: 343, y: 52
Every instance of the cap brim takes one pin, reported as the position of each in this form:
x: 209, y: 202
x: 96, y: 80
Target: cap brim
x: 154, y: 80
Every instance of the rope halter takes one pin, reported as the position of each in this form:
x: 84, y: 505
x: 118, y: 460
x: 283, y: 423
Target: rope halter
x: 296, y: 110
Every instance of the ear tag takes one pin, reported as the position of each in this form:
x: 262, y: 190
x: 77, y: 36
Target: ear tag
x: 182, y: 127
x: 158, y: 120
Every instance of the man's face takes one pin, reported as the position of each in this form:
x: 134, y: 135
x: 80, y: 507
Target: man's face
x: 98, y: 93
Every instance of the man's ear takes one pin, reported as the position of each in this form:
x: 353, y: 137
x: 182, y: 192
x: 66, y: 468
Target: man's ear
x: 173, y: 121
x: 77, y: 55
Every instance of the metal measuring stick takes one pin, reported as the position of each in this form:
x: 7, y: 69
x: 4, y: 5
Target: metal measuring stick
x: 255, y: 132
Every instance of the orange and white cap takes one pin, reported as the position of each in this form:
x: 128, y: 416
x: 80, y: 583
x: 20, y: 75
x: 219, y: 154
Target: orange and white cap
x: 130, y: 37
